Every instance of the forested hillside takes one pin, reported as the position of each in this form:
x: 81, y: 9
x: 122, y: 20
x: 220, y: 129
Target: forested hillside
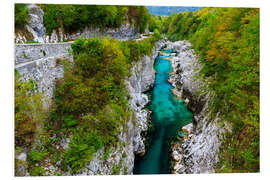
x: 227, y: 42
x: 76, y: 17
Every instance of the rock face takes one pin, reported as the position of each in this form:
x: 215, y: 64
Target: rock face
x: 199, y: 150
x: 36, y: 22
x: 124, y: 32
x: 36, y: 27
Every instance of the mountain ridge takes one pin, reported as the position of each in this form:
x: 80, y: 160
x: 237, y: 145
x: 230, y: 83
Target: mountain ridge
x: 168, y: 10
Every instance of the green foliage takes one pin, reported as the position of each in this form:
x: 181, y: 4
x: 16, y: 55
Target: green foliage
x: 116, y: 170
x: 21, y: 15
x: 31, y: 42
x: 181, y: 26
x: 156, y: 34
x: 29, y: 111
x: 138, y: 49
x: 155, y: 23
x: 37, y: 171
x: 140, y: 15
x: 29, y: 117
x: 124, y: 155
x: 107, y: 153
x: 69, y: 121
x: 36, y: 156
x: 76, y: 17
x: 227, y: 40
x: 81, y: 149
x: 71, y: 18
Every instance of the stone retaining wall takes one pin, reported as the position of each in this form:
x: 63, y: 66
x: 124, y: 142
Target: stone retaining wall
x: 31, y: 52
x: 39, y: 63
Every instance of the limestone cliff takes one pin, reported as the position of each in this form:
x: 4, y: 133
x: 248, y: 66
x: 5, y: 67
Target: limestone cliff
x: 198, y: 152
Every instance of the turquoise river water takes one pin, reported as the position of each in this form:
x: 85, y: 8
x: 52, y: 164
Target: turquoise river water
x: 168, y: 115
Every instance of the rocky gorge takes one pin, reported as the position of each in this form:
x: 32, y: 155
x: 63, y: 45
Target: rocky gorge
x: 198, y: 150
x: 97, y: 93
x: 196, y: 153
x: 44, y: 70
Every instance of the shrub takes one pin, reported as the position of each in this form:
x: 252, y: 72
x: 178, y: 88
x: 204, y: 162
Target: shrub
x: 116, y: 170
x: 31, y: 42
x: 21, y: 15
x: 37, y: 171
x: 107, y: 153
x: 81, y: 149
x: 69, y: 121
x: 36, y: 156
x: 156, y: 34
x: 155, y: 23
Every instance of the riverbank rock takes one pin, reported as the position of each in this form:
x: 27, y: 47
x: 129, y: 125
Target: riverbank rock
x: 186, y: 101
x: 187, y: 129
x: 200, y: 148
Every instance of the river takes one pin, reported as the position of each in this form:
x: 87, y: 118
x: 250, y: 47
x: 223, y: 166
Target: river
x: 168, y: 115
